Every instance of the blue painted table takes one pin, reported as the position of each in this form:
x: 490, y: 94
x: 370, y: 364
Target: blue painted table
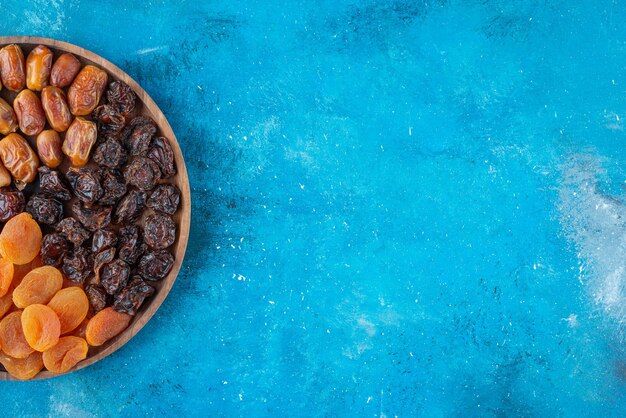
x: 400, y: 208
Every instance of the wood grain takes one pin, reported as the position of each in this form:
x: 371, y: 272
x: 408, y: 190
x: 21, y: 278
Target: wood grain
x: 145, y: 106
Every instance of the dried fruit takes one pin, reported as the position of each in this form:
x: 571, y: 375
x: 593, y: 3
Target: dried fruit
x: 5, y: 176
x: 84, y: 93
x: 130, y: 207
x: 8, y: 118
x: 55, y: 106
x: 74, y: 232
x: 38, y: 286
x: 160, y: 231
x: 12, y: 67
x: 99, y: 260
x: 19, y: 158
x: 49, y: 148
x: 79, y: 138
x: 85, y: 183
x: 103, y: 239
x: 105, y: 325
x: 110, y: 153
x: 6, y: 302
x: 52, y: 184
x: 71, y: 306
x: 12, y: 202
x: 142, y: 173
x: 6, y: 276
x: 121, y: 97
x: 113, y: 185
x: 44, y: 209
x: 92, y: 217
x: 137, y: 135
x: 64, y: 70
x: 38, y: 66
x: 24, y: 368
x: 114, y: 276
x: 20, y: 271
x: 97, y: 297
x: 68, y: 352
x: 131, y: 298
x: 53, y: 249
x: 165, y: 199
x: 20, y: 239
x: 30, y: 114
x: 155, y: 265
x: 76, y: 264
x: 109, y: 121
x: 130, y: 244
x: 161, y: 153
x: 41, y: 326
x: 12, y: 339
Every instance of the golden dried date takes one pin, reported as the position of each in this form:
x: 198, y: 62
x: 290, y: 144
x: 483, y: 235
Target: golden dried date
x: 49, y: 148
x: 79, y: 139
x: 19, y: 158
x: 12, y: 68
x: 64, y: 70
x: 8, y: 119
x: 38, y: 65
x: 5, y: 177
x: 30, y: 114
x: 55, y: 105
x: 86, y: 90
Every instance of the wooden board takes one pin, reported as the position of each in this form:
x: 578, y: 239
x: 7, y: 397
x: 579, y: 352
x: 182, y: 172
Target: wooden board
x: 147, y: 107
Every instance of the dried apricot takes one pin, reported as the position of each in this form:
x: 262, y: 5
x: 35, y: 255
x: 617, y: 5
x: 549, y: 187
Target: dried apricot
x: 12, y: 338
x: 105, y: 325
x: 38, y: 286
x: 20, y: 239
x: 25, y: 368
x: 41, y: 326
x: 65, y: 355
x: 19, y: 272
x: 71, y: 306
x: 6, y: 276
x: 6, y: 302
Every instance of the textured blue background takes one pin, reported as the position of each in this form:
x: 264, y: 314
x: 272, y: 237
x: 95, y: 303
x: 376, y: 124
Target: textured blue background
x: 399, y: 208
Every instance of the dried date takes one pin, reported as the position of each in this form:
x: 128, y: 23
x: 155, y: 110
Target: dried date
x: 113, y: 185
x: 130, y: 244
x: 19, y: 158
x: 44, y: 209
x: 73, y: 230
x: 103, y: 239
x: 52, y: 184
x: 92, y: 217
x: 79, y: 139
x: 161, y: 153
x: 160, y: 231
x: 12, y: 202
x: 76, y: 265
x: 131, y: 298
x: 85, y: 183
x: 8, y: 118
x: 86, y: 89
x: 121, y: 97
x: 53, y: 248
x: 114, y: 276
x: 130, y: 207
x: 110, y: 153
x: 30, y: 114
x: 155, y: 265
x: 137, y: 135
x: 55, y: 106
x: 142, y: 173
x: 49, y: 148
x: 12, y: 67
x: 165, y: 199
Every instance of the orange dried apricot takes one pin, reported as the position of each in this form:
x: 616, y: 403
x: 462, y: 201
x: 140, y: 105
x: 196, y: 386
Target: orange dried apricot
x: 12, y: 339
x: 105, y: 325
x: 20, y: 239
x: 25, y: 368
x: 6, y: 302
x: 6, y: 276
x: 66, y: 354
x: 38, y: 286
x: 19, y: 272
x: 41, y: 326
x: 71, y: 306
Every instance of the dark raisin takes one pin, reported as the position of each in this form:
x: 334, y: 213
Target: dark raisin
x: 142, y: 173
x: 12, y: 202
x: 160, y: 231
x: 130, y: 244
x: 103, y: 239
x: 137, y: 135
x: 85, y: 183
x: 165, y: 198
x: 131, y: 298
x: 161, y: 153
x: 97, y: 297
x: 73, y: 230
x: 76, y: 265
x: 92, y: 217
x: 53, y: 249
x: 130, y: 207
x: 45, y: 210
x: 108, y: 119
x: 114, y: 276
x: 113, y: 185
x: 100, y: 259
x: 52, y: 184
x: 155, y: 265
x: 110, y: 153
x: 121, y: 97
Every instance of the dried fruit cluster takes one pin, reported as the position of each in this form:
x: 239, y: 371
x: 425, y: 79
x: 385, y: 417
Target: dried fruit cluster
x: 82, y: 248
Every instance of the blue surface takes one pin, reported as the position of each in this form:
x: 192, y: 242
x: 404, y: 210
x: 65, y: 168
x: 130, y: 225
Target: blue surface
x: 400, y: 208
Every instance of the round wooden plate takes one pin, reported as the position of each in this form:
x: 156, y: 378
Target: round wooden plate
x: 145, y: 106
